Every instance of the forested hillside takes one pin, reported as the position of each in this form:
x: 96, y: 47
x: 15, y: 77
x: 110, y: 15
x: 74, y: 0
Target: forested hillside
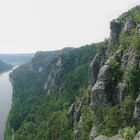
x: 4, y: 66
x: 91, y: 92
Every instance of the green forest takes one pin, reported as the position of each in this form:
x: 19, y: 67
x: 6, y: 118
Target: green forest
x: 63, y: 95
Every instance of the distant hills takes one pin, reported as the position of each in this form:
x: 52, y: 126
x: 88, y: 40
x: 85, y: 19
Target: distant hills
x: 16, y: 59
x: 4, y: 66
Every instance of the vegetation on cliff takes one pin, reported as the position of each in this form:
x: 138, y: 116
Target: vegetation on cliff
x: 81, y: 93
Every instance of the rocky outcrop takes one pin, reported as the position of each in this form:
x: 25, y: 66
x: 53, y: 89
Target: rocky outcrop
x: 77, y: 134
x: 99, y: 94
x: 117, y: 137
x: 137, y: 137
x: 102, y: 92
x: 74, y: 112
x: 129, y: 24
x: 104, y: 73
x: 134, y: 58
x: 115, y: 28
x: 125, y: 60
x: 138, y: 29
x: 99, y: 97
x: 40, y: 69
x: 71, y: 111
x: 137, y: 109
x: 108, y: 138
x: 77, y: 114
x: 55, y: 76
x: 121, y: 92
x: 93, y: 133
x: 131, y: 58
x: 94, y: 68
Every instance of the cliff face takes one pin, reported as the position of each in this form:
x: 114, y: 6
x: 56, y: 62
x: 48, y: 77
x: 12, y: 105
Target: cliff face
x: 106, y: 91
x: 110, y: 77
x: 81, y: 93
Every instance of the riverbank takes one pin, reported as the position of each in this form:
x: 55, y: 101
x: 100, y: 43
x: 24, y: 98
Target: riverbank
x: 5, y: 100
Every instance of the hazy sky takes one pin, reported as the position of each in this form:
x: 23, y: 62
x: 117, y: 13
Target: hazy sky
x: 33, y: 25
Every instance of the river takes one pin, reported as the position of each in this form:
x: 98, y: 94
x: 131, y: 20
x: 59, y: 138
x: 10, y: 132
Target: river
x: 5, y: 101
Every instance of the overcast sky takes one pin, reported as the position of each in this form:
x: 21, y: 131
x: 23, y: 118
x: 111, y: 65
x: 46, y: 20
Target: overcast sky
x: 32, y: 25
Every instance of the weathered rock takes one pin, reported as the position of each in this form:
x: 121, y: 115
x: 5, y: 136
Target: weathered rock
x: 77, y: 115
x: 59, y: 61
x: 71, y: 111
x: 77, y: 134
x: 55, y: 76
x: 118, y: 55
x: 134, y: 58
x: 131, y: 58
x: 121, y: 92
x: 93, y: 133
x: 129, y: 24
x: 115, y: 28
x: 84, y: 102
x: 137, y: 137
x: 138, y: 29
x: 101, y: 137
x: 117, y: 137
x: 125, y: 60
x: 101, y: 91
x: 74, y: 113
x: 99, y: 96
x: 94, y: 69
x: 40, y: 69
x: 104, y: 73
x: 137, y: 109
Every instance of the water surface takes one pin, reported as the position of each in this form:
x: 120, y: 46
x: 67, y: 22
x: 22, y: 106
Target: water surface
x: 5, y: 100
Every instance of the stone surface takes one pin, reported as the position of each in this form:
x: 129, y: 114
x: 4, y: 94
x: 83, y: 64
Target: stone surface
x: 77, y: 134
x: 94, y: 67
x: 99, y: 96
x: 117, y: 137
x: 93, y: 70
x: 121, y: 91
x: 104, y: 73
x: 134, y: 58
x: 93, y: 133
x: 71, y: 111
x: 115, y: 28
x: 137, y: 109
x: 77, y: 114
x: 131, y: 58
x: 129, y: 24
x: 137, y: 137
x: 40, y: 69
x: 55, y: 76
x: 138, y: 29
x: 125, y: 60
x: 101, y: 137
x: 118, y: 55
